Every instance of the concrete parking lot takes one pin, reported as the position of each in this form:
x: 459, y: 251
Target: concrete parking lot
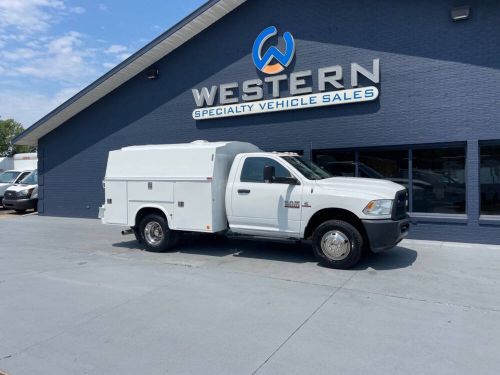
x: 76, y: 297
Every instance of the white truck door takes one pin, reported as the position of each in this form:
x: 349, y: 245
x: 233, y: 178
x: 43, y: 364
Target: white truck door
x: 261, y: 208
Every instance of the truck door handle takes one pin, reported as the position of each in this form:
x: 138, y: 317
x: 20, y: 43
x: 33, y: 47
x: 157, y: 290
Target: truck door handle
x: 243, y: 191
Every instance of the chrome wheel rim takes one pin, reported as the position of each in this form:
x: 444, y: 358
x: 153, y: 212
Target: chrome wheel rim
x: 335, y: 245
x: 153, y: 233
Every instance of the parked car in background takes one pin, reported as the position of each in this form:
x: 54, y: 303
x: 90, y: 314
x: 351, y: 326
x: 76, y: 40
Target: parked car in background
x: 24, y: 195
x: 9, y: 178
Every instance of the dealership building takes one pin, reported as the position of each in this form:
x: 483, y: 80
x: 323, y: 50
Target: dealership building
x: 397, y: 90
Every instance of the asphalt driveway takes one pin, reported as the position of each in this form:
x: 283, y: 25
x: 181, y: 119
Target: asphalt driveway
x: 76, y: 297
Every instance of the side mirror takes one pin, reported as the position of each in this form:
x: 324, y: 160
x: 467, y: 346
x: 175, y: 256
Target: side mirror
x: 269, y: 173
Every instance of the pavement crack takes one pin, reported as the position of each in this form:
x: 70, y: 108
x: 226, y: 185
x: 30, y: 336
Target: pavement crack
x: 330, y: 296
x: 424, y: 300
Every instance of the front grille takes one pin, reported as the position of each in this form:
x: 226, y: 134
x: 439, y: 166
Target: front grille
x: 10, y: 195
x: 400, y: 208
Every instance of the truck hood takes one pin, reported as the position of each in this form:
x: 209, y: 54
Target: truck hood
x: 20, y: 187
x: 368, y: 187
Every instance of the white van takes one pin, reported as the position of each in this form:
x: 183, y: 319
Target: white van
x: 161, y: 191
x: 9, y: 178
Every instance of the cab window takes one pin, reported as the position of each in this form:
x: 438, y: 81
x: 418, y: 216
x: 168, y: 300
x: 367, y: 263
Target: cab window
x: 253, y: 169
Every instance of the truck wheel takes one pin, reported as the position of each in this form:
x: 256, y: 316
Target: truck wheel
x: 156, y: 235
x: 337, y: 244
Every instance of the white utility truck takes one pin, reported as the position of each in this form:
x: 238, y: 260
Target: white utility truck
x: 234, y: 188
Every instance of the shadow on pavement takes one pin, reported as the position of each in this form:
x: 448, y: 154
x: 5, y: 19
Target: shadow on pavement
x: 399, y: 257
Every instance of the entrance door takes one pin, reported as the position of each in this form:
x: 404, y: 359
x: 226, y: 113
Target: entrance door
x: 261, y: 208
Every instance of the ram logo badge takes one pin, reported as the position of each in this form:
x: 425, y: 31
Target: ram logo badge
x: 292, y: 204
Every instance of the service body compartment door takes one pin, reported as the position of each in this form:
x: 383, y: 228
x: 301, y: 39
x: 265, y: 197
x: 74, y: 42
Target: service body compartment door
x: 260, y: 208
x: 193, y: 206
x: 116, y: 202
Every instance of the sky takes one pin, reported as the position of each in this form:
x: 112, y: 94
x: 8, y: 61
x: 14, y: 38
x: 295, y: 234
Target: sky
x: 51, y: 49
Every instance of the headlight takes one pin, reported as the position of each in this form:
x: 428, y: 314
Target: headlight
x: 34, y: 193
x: 24, y: 193
x: 379, y: 207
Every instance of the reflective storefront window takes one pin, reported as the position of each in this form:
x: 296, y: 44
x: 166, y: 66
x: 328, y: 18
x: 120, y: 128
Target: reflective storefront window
x: 489, y: 179
x: 386, y: 164
x: 438, y: 173
x: 439, y: 180
x: 338, y: 163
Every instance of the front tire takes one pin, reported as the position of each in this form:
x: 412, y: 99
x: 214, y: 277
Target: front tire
x: 337, y: 244
x: 20, y: 211
x: 156, y: 234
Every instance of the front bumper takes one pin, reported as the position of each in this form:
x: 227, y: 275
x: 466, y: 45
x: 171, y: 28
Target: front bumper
x: 19, y: 204
x: 385, y: 234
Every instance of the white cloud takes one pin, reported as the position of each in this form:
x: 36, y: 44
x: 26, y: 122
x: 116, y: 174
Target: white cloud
x: 120, y: 53
x: 63, y: 58
x: 109, y: 65
x: 115, y: 49
x: 19, y: 54
x: 123, y: 56
x: 77, y: 10
x: 27, y: 16
x: 28, y: 107
x: 102, y: 7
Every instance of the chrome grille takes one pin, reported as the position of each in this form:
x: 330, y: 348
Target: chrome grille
x: 10, y: 195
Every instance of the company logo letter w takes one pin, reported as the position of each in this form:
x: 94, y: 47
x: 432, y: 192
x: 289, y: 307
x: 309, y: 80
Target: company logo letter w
x: 263, y: 62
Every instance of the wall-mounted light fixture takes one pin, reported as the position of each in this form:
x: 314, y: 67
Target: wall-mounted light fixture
x: 152, y: 73
x: 460, y: 13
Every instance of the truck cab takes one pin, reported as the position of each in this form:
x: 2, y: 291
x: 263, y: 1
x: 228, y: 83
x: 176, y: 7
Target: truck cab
x: 299, y: 200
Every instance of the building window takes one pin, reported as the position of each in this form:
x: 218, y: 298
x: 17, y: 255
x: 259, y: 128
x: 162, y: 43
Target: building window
x: 489, y: 178
x: 438, y: 173
x: 338, y: 163
x: 439, y: 180
x: 385, y: 164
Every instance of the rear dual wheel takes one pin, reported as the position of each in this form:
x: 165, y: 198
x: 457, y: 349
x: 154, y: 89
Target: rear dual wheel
x: 337, y: 244
x: 156, y: 235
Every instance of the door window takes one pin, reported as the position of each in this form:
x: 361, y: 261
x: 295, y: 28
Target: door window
x: 253, y: 169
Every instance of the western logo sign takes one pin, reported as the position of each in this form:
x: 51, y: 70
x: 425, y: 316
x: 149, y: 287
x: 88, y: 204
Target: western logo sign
x: 263, y: 62
x: 247, y: 98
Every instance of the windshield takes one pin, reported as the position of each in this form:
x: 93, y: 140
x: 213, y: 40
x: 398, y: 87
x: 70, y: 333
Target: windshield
x: 308, y: 169
x: 8, y: 177
x: 31, y: 179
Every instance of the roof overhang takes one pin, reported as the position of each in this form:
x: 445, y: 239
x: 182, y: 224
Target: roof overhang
x: 176, y: 36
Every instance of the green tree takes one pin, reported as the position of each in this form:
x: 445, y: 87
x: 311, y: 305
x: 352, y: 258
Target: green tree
x: 9, y: 129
